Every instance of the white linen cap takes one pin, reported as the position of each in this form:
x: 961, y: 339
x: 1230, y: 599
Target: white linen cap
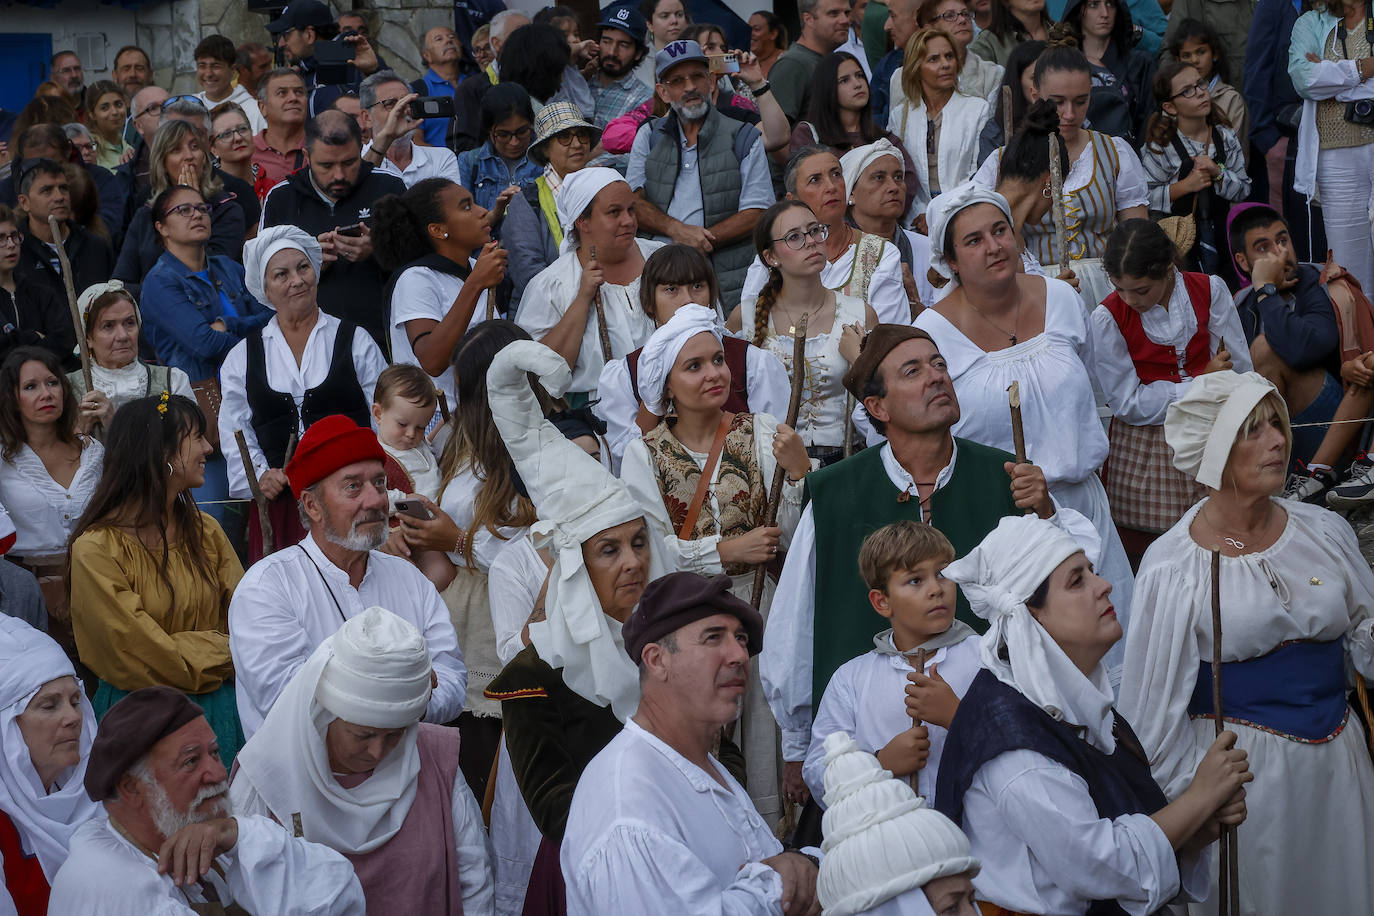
x: 949, y: 204
x: 258, y: 251
x: 1201, y: 426
x: 378, y: 674
x: 660, y: 352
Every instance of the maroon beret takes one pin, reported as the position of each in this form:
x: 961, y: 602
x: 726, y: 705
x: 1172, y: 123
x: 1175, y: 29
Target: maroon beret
x: 680, y: 598
x: 129, y: 730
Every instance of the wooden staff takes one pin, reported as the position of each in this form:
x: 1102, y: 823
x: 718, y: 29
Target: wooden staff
x: 848, y: 425
x: 1057, y: 203
x: 1018, y: 432
x: 770, y: 512
x: 291, y: 444
x: 69, y: 283
x: 918, y: 663
x: 601, y: 329
x: 264, y: 520
x: 1006, y: 114
x: 443, y: 405
x: 1228, y: 865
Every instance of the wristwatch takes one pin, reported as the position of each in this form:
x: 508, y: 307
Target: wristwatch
x: 1267, y: 289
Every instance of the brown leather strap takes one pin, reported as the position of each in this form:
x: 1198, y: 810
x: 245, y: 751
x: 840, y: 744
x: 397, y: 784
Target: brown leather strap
x: 704, y: 483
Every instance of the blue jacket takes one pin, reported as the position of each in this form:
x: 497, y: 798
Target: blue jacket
x: 486, y: 174
x: 881, y: 85
x: 1274, y: 104
x: 1302, y: 331
x: 179, y: 307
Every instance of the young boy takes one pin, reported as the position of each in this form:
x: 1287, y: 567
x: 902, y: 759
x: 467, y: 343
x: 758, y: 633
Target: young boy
x: 874, y: 697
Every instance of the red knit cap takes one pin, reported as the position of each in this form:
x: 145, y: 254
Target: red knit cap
x: 329, y: 444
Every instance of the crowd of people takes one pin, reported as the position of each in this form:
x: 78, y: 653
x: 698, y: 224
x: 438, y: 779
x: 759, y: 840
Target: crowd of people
x: 906, y: 466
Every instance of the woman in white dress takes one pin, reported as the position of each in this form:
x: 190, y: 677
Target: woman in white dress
x: 111, y: 321
x: 1296, y: 601
x: 999, y: 326
x: 790, y: 241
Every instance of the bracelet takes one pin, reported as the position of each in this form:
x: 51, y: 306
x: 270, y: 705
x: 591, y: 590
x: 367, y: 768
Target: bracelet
x: 763, y: 90
x: 461, y: 546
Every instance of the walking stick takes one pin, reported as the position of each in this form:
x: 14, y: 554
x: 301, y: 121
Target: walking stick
x: 601, y: 329
x: 1057, y: 204
x: 443, y: 405
x: 290, y: 448
x: 1006, y: 115
x: 264, y: 520
x: 69, y: 283
x: 770, y: 512
x: 1018, y: 432
x: 918, y: 663
x: 1228, y: 865
x: 848, y: 425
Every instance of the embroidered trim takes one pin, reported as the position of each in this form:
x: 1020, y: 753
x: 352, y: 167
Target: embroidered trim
x: 1345, y: 719
x: 521, y: 694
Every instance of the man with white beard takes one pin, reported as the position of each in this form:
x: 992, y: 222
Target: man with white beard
x: 290, y: 602
x: 169, y: 844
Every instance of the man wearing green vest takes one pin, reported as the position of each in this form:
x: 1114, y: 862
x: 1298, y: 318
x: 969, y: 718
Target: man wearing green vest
x: 821, y: 617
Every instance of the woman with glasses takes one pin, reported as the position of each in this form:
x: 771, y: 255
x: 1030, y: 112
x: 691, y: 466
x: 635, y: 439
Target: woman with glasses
x: 791, y: 243
x: 1122, y: 73
x: 977, y: 77
x: 231, y: 141
x: 82, y: 141
x: 179, y: 159
x: 503, y: 158
x: 106, y: 111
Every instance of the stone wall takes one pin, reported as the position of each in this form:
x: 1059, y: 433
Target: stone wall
x: 169, y: 32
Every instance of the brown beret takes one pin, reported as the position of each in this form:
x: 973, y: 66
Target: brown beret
x: 876, y: 345
x: 129, y: 730
x: 680, y: 598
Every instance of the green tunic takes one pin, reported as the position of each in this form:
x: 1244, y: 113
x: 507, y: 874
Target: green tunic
x: 852, y: 499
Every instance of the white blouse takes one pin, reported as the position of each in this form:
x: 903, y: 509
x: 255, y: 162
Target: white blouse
x: 44, y: 512
x: 517, y: 574
x: 129, y: 383
x: 459, y: 502
x: 422, y: 292
x: 886, y: 293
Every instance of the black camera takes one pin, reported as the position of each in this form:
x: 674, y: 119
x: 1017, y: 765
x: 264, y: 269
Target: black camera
x: 332, y: 67
x: 1360, y: 112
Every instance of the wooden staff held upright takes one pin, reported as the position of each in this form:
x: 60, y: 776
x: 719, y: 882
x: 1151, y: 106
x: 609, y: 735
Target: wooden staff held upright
x: 770, y: 512
x: 1018, y: 432
x: 1228, y: 863
x: 1057, y: 204
x: 917, y: 663
x: 265, y: 520
x: 69, y: 282
x: 601, y: 329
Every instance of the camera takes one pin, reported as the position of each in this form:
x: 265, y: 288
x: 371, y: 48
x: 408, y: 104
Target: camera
x: 432, y: 106
x: 332, y: 66
x: 1360, y: 112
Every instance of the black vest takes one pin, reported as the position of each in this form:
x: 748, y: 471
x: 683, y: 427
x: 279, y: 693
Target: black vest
x: 274, y: 412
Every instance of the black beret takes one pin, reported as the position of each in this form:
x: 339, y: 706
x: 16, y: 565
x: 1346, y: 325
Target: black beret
x: 680, y: 598
x: 129, y: 730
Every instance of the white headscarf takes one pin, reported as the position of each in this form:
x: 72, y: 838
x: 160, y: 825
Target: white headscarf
x: 95, y: 291
x: 660, y: 351
x: 997, y: 577
x: 258, y: 251
x: 374, y: 671
x: 859, y: 158
x: 948, y: 204
x: 576, y: 195
x: 1201, y: 426
x: 575, y: 498
x: 28, y: 660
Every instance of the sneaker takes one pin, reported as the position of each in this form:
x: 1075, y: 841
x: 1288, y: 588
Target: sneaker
x: 1357, y: 489
x: 1309, y: 488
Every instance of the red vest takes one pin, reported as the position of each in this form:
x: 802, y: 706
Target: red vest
x: 1155, y: 363
x: 736, y: 358
x: 24, y: 878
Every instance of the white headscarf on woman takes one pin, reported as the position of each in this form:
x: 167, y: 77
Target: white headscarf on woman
x: 95, y: 291
x: 1201, y: 427
x: 374, y: 672
x: 28, y: 660
x: 575, y: 498
x: 949, y: 204
x: 997, y: 577
x: 859, y: 158
x: 660, y: 352
x: 576, y: 195
x: 258, y: 251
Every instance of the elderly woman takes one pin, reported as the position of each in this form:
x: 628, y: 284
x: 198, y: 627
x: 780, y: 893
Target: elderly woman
x: 46, y: 729
x: 998, y: 325
x: 111, y: 321
x: 601, y: 262
x: 1296, y: 601
x: 702, y: 476
x: 344, y: 760
x: 301, y: 366
x: 876, y: 178
x: 152, y: 575
x: 1058, y: 801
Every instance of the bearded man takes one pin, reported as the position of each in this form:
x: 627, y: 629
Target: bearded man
x: 290, y: 602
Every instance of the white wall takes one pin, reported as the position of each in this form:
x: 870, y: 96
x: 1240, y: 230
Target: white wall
x: 73, y: 18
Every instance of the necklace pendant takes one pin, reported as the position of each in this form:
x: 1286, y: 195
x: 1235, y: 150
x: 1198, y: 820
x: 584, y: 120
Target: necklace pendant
x: 1013, y: 340
x: 1238, y: 545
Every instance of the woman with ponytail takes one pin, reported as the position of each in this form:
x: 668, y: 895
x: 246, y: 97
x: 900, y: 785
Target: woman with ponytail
x: 1024, y: 179
x: 426, y: 237
x: 790, y: 242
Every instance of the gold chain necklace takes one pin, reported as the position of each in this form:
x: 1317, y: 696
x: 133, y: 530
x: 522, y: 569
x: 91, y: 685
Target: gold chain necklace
x: 1015, y: 322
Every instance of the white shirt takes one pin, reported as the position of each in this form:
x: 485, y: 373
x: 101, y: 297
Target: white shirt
x: 866, y: 699
x: 267, y: 871
x: 459, y: 502
x: 551, y: 292
x: 855, y: 48
x: 517, y: 574
x: 651, y: 832
x: 285, y: 375
x: 767, y: 389
x: 1145, y: 404
x: 129, y: 383
x: 244, y: 99
x: 419, y: 462
x: 886, y: 294
x: 425, y: 162
x: 44, y: 512
x: 1132, y: 188
x: 422, y: 292
x: 290, y: 602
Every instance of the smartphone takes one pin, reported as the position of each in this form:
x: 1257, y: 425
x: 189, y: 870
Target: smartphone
x: 414, y: 508
x: 331, y: 59
x: 354, y: 231
x: 432, y: 106
x: 724, y: 63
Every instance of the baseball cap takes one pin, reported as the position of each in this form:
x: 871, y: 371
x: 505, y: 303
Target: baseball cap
x: 299, y: 14
x: 677, y: 52
x: 627, y: 19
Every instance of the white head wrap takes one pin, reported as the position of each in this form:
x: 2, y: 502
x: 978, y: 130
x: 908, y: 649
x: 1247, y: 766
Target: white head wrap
x: 660, y: 351
x: 28, y: 660
x: 375, y: 672
x: 95, y: 291
x: 859, y: 158
x: 948, y: 204
x: 1201, y: 426
x: 575, y: 498
x: 881, y: 840
x: 576, y: 195
x: 258, y: 251
x: 997, y: 577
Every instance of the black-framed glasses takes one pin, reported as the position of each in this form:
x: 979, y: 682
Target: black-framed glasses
x: 1189, y: 91
x: 952, y: 16
x: 185, y: 210
x: 11, y: 238
x: 566, y: 137
x: 171, y: 100
x: 506, y: 136
x: 224, y: 136
x: 387, y: 104
x: 796, y: 239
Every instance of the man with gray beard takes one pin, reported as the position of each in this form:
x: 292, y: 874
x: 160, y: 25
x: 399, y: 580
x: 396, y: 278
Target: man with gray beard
x: 290, y: 602
x: 169, y: 844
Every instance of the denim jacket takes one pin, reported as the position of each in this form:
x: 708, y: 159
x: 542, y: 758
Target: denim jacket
x: 179, y: 307
x: 486, y: 174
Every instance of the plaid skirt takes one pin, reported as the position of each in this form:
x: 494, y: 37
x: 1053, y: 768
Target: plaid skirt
x: 1146, y: 492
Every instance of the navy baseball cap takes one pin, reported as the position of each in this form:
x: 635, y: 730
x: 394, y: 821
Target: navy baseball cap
x: 300, y: 14
x: 628, y: 20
